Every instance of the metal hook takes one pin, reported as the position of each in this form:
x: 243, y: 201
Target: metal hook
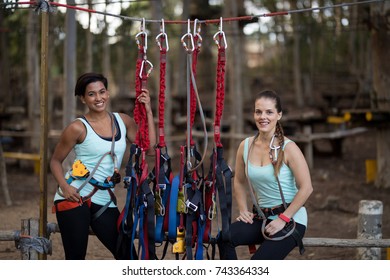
x: 142, y: 68
x: 143, y: 24
x: 162, y: 28
x: 190, y: 38
x: 197, y: 29
x: 142, y: 32
x: 274, y: 148
x: 220, y: 34
x: 188, y: 26
x: 163, y: 35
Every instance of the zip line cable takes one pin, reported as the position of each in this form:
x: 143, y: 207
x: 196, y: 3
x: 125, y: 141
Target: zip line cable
x: 207, y: 21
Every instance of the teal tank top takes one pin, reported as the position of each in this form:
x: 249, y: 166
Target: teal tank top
x: 91, y: 151
x: 266, y: 187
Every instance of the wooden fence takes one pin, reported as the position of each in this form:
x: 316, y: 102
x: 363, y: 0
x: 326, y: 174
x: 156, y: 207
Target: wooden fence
x: 369, y: 240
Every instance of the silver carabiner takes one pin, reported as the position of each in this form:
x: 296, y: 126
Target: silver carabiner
x: 142, y: 32
x: 220, y: 33
x: 190, y: 39
x: 163, y: 35
x: 273, y: 148
x: 197, y: 33
x: 148, y: 71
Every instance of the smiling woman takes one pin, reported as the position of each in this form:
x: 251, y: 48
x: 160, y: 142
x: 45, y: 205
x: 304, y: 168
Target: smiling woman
x: 279, y: 183
x: 85, y: 194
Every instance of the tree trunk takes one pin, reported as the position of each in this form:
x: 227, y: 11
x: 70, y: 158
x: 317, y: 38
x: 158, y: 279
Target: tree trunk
x: 69, y: 108
x: 297, y: 63
x: 107, y: 59
x: 381, y: 82
x: 33, y: 78
x: 69, y: 100
x: 4, y: 64
x: 234, y: 72
x: 89, y: 56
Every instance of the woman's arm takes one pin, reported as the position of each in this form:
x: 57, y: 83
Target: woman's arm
x: 71, y: 135
x: 298, y: 165
x: 240, y: 187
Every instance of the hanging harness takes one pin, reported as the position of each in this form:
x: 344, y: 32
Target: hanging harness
x: 137, y: 217
x: 80, y: 172
x: 219, y: 179
x: 162, y: 175
x: 187, y: 186
x: 179, y: 210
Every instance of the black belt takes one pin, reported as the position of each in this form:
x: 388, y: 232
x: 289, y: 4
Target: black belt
x: 270, y: 211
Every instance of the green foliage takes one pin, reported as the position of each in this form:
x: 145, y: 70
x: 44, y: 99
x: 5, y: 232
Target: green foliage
x: 324, y: 42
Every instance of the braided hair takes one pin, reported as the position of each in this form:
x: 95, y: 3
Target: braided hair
x: 279, y: 133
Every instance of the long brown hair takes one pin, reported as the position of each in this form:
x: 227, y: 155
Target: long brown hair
x: 279, y: 133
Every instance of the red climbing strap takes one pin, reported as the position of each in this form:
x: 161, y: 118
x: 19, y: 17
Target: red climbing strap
x: 161, y: 39
x: 143, y: 69
x: 147, y: 226
x: 220, y: 40
x: 197, y: 44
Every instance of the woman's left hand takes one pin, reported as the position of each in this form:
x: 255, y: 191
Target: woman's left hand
x: 274, y: 227
x: 144, y: 98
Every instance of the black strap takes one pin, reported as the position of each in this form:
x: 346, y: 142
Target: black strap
x: 149, y: 215
x: 223, y: 186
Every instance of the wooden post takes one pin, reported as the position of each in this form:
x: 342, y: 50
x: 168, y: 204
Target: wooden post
x: 30, y: 227
x: 370, y: 227
x: 3, y: 179
x: 44, y: 121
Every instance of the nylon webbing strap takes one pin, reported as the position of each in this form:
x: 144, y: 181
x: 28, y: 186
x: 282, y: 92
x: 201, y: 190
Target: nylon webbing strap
x: 143, y: 69
x: 220, y: 92
x: 223, y: 185
x: 193, y: 65
x: 161, y: 38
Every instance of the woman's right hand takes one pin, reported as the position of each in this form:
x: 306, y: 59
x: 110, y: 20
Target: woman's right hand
x: 246, y: 217
x: 70, y: 193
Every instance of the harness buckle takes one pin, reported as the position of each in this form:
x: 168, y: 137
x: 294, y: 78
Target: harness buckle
x: 126, y: 180
x: 162, y: 187
x: 191, y: 206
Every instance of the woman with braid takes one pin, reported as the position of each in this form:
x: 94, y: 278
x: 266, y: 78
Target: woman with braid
x: 274, y: 171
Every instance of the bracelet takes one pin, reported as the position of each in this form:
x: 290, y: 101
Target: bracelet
x: 284, y: 218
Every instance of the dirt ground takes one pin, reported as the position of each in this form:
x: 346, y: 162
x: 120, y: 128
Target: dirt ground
x: 339, y: 183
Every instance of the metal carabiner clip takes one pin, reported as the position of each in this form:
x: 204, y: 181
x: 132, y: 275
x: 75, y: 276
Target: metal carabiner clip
x: 148, y: 71
x: 145, y: 36
x: 190, y: 39
x: 197, y: 34
x: 163, y: 35
x: 221, y: 35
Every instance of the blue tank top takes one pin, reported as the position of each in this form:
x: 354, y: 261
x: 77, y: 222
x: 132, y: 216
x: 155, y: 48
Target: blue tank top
x: 91, y: 151
x: 266, y: 187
